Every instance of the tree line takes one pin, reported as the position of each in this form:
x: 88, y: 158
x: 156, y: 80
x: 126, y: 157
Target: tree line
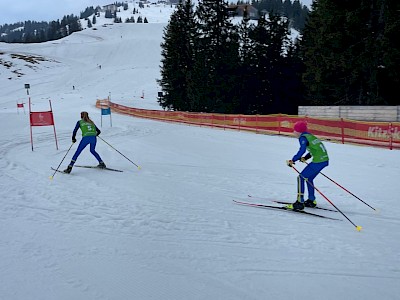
x: 293, y: 10
x: 37, y: 32
x: 347, y: 54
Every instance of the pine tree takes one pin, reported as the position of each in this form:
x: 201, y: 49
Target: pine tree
x: 351, y: 53
x: 261, y: 68
x: 74, y: 24
x: 218, y: 53
x: 178, y: 60
x: 53, y: 32
x: 323, y: 43
x: 388, y: 76
x: 246, y: 86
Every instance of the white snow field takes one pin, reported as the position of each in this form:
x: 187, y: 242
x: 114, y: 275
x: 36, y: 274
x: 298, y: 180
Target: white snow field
x: 171, y: 230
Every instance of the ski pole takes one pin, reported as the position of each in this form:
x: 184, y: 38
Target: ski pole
x: 118, y: 152
x: 326, y: 198
x: 51, y: 177
x: 344, y: 189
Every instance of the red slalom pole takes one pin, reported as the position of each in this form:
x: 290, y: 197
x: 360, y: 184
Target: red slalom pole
x: 326, y: 198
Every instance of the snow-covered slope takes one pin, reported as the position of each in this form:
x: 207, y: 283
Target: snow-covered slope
x: 171, y: 230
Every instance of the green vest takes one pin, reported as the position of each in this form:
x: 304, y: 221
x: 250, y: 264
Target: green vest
x: 88, y: 129
x: 316, y: 148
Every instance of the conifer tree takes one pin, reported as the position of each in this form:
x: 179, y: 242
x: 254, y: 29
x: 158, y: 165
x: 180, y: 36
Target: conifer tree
x: 351, y: 53
x: 266, y: 63
x: 245, y: 68
x: 178, y: 60
x: 217, y: 57
x: 323, y: 43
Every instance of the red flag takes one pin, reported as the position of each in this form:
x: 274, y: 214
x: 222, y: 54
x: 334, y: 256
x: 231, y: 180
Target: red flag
x: 43, y: 118
x: 20, y: 105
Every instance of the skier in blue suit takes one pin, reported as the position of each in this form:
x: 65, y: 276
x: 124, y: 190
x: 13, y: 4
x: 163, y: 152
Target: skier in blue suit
x: 89, y: 133
x: 317, y: 151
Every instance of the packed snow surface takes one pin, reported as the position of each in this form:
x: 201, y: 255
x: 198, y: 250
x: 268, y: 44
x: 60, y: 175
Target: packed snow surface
x: 170, y: 230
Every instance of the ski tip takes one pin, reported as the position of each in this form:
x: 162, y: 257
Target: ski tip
x: 139, y: 168
x: 51, y: 177
x: 358, y: 228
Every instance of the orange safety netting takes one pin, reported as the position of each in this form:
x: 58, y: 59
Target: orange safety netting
x: 381, y: 134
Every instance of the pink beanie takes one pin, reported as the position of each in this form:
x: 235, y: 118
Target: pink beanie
x: 300, y: 126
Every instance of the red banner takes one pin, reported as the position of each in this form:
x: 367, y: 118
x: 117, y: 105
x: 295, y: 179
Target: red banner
x: 43, y: 118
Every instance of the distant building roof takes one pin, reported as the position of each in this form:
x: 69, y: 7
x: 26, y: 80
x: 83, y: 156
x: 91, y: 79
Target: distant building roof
x: 243, y: 10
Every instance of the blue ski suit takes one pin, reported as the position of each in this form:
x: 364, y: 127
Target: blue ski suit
x: 320, y: 160
x: 89, y: 133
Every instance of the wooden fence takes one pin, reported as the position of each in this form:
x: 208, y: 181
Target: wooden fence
x: 353, y: 112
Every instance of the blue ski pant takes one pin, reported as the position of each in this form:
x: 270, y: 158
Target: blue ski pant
x: 308, y: 175
x: 86, y: 140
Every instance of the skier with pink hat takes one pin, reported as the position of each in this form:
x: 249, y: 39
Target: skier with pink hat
x: 317, y: 151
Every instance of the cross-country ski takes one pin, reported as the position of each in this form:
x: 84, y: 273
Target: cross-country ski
x: 287, y: 202
x: 59, y: 171
x: 283, y: 208
x: 97, y: 167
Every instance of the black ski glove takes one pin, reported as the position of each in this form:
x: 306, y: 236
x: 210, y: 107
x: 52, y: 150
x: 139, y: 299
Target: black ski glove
x: 305, y: 158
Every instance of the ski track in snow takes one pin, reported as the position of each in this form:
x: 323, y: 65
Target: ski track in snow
x: 130, y: 214
x: 170, y: 230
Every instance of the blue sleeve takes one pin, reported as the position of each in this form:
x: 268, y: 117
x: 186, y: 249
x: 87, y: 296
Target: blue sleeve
x: 303, y: 147
x: 75, y: 130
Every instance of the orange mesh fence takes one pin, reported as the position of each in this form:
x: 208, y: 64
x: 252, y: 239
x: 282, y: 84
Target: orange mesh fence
x: 381, y: 134
x: 104, y: 103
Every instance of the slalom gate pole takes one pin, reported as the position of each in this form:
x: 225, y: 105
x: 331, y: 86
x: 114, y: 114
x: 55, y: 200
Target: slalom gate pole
x: 344, y: 189
x: 118, y: 152
x: 326, y: 198
x: 51, y: 177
